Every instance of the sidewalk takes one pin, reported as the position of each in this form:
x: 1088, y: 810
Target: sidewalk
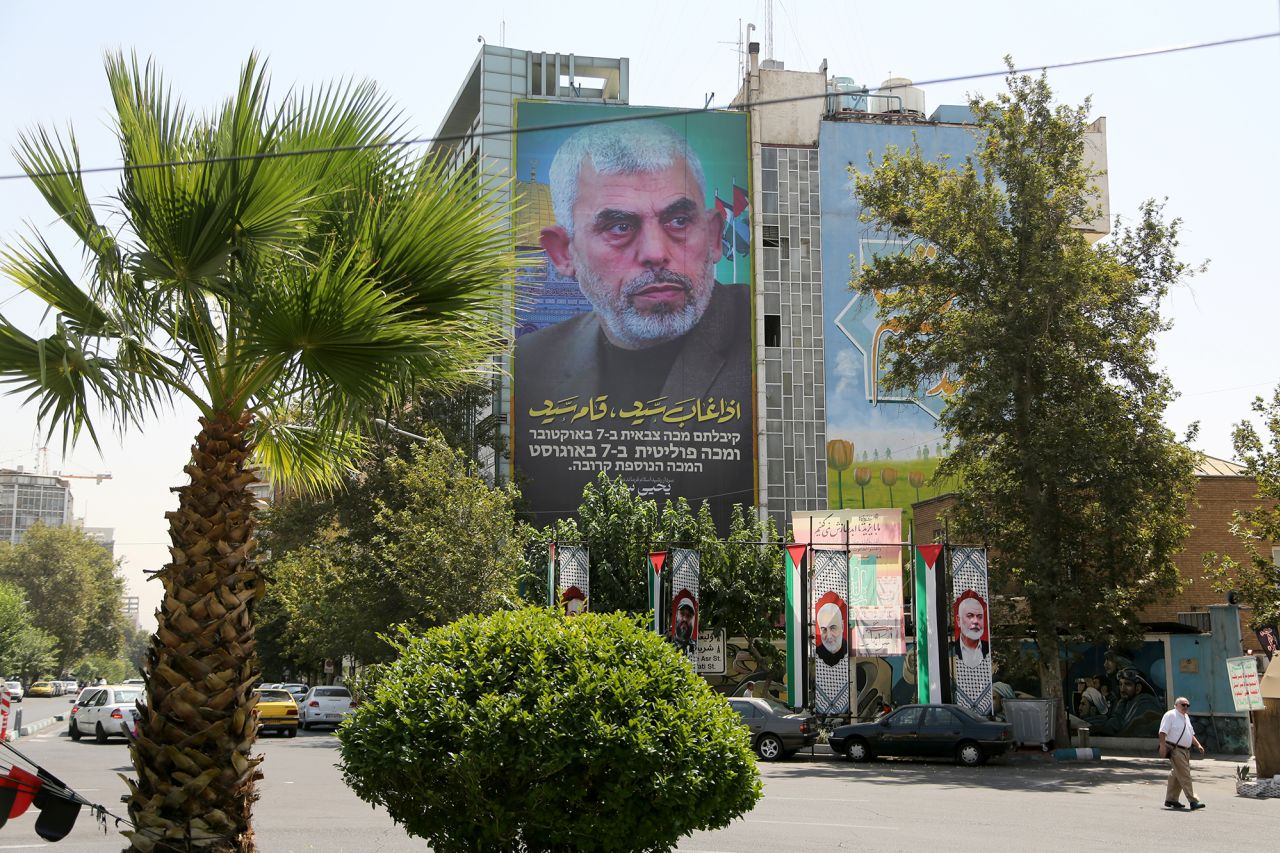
x: 32, y: 728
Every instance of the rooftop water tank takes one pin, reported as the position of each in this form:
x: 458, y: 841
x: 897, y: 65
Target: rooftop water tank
x: 897, y: 95
x: 848, y: 96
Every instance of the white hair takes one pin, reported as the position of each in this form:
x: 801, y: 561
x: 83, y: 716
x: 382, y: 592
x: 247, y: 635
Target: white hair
x: 619, y: 148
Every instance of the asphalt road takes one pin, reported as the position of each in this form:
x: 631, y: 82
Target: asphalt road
x: 812, y: 803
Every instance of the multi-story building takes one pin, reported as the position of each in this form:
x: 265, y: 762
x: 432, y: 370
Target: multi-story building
x: 104, y: 536
x: 27, y: 499
x: 132, y: 609
x: 791, y: 228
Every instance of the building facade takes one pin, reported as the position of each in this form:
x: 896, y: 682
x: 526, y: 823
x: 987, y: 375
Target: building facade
x: 30, y: 499
x: 823, y: 431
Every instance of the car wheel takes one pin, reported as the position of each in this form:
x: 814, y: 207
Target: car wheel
x: 291, y: 733
x: 306, y: 727
x: 858, y: 750
x: 969, y: 754
x: 74, y: 731
x: 769, y: 747
x: 99, y: 733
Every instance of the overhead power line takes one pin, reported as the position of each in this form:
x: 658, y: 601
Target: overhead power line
x: 665, y: 113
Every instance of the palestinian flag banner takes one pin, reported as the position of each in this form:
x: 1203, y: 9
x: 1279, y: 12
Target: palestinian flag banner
x: 928, y: 665
x: 831, y: 677
x: 573, y: 579
x: 971, y: 637
x: 797, y: 630
x: 551, y: 574
x: 656, y: 560
x: 686, y: 568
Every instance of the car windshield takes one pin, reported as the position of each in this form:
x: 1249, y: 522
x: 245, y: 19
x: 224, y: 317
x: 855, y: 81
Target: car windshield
x: 274, y: 696
x: 333, y: 691
x: 128, y: 695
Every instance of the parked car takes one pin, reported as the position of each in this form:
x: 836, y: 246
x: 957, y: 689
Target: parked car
x: 43, y: 689
x: 15, y: 690
x: 276, y: 711
x: 776, y: 730
x: 296, y: 689
x: 936, y: 731
x: 325, y: 706
x: 134, y: 682
x: 105, y: 712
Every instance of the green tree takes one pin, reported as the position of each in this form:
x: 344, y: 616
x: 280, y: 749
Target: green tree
x: 741, y: 590
x: 283, y: 269
x: 530, y: 731
x: 72, y: 588
x: 32, y: 653
x: 25, y: 650
x: 435, y: 542
x: 1065, y: 466
x: 1257, y: 579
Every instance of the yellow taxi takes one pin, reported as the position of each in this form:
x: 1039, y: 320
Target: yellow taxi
x: 41, y: 688
x: 276, y: 711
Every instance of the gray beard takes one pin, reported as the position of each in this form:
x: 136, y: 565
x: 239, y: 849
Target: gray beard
x: 638, y: 330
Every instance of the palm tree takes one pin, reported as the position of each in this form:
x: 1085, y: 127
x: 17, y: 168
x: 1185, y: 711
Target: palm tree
x: 283, y: 294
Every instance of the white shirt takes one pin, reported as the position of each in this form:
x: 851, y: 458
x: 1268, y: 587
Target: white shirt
x: 1177, y: 728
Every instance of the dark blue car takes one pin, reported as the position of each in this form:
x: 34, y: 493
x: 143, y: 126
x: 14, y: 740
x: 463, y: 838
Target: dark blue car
x: 925, y: 731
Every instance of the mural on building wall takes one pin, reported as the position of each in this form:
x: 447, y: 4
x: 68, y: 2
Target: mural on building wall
x: 633, y: 324
x: 883, y: 444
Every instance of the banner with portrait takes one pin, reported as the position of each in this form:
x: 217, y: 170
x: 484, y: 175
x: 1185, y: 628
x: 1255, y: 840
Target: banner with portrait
x: 971, y: 628
x: 633, y: 325
x: 685, y: 577
x: 831, y: 632
x: 571, y: 565
x: 872, y: 542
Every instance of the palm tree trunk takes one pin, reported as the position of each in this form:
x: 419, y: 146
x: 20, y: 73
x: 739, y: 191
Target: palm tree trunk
x: 196, y: 777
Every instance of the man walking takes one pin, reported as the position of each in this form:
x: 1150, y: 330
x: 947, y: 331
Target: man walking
x: 1177, y: 736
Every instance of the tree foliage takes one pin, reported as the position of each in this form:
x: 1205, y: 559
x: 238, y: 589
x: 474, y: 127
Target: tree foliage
x: 25, y: 650
x: 434, y: 542
x: 1257, y: 578
x: 530, y: 731
x: 1065, y: 466
x: 741, y: 587
x: 286, y: 267
x: 72, y: 588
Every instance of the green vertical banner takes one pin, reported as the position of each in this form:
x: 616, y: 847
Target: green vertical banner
x: 928, y: 683
x: 797, y: 626
x: 656, y: 559
x: 551, y: 575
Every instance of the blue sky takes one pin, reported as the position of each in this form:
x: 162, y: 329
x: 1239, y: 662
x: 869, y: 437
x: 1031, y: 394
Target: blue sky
x: 1198, y: 128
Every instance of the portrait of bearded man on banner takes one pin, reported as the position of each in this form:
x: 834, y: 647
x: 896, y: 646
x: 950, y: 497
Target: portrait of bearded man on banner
x: 831, y: 628
x: 684, y: 621
x: 972, y: 644
x: 573, y: 601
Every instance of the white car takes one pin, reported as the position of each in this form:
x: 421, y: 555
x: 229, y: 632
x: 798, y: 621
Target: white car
x: 105, y: 712
x: 325, y: 706
x: 15, y: 690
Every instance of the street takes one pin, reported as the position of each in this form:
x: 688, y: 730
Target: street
x: 817, y: 802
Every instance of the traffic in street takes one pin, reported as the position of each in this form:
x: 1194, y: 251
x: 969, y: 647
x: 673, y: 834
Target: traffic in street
x: 813, y: 801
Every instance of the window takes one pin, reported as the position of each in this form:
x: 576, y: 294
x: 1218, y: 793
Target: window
x: 773, y: 330
x: 332, y: 691
x: 745, y: 709
x: 939, y: 717
x: 906, y: 718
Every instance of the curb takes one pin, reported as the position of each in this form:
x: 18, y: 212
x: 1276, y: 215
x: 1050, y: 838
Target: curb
x: 36, y: 726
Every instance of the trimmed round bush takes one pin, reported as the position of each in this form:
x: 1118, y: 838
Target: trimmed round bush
x: 531, y: 731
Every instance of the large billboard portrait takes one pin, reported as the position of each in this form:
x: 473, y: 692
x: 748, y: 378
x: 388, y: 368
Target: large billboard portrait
x: 633, y: 325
